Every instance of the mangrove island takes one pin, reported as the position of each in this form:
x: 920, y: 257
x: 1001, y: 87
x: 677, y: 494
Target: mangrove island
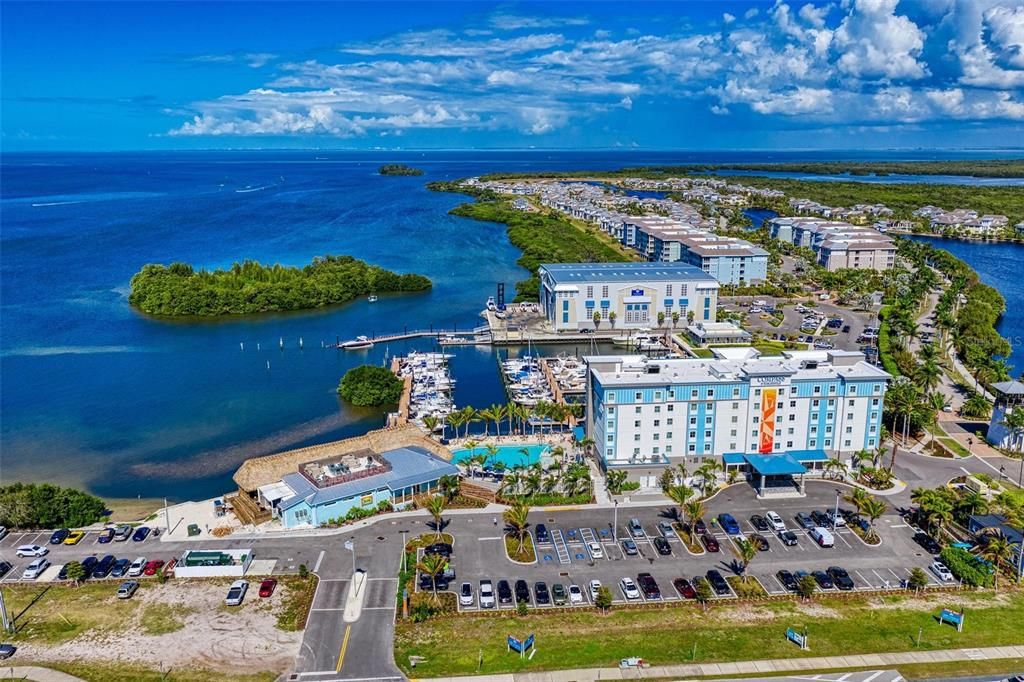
x: 398, y: 169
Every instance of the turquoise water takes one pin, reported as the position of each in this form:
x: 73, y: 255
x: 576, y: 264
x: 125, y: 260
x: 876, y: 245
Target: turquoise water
x: 509, y: 455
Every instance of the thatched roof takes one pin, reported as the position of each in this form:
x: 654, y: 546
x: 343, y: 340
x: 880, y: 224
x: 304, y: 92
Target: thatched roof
x: 259, y: 471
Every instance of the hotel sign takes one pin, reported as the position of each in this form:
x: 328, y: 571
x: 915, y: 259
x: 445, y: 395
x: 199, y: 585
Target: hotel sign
x: 769, y: 381
x: 636, y: 292
x: 769, y: 401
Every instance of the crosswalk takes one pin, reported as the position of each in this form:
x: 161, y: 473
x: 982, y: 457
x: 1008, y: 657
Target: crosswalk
x: 560, y: 547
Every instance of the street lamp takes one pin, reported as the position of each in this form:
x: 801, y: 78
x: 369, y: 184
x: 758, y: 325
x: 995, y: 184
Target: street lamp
x: 351, y: 545
x: 1002, y: 473
x: 835, y: 518
x: 615, y: 523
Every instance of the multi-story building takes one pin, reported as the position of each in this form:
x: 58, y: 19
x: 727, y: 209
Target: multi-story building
x: 571, y: 293
x: 804, y: 407
x: 837, y: 244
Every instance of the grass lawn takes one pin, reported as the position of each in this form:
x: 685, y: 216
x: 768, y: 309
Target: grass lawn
x: 584, y: 638
x: 63, y: 613
x: 298, y: 599
x: 528, y: 554
x: 123, y: 672
x: 703, y: 353
x: 130, y: 509
x: 160, y: 619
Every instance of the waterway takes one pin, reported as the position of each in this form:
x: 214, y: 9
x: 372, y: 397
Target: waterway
x: 893, y: 178
x: 96, y: 395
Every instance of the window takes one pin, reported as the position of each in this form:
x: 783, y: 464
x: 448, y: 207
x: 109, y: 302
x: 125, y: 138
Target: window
x: 877, y: 388
x: 609, y: 397
x: 657, y: 422
x: 732, y: 433
x: 636, y: 451
x: 708, y: 420
x: 790, y: 431
x: 735, y: 394
x: 753, y: 434
x: 755, y: 420
x: 656, y: 436
x: 656, y: 450
x: 668, y: 422
x: 636, y: 437
x: 811, y: 443
x: 609, y: 452
x: 668, y: 449
x: 711, y: 393
x: 789, y: 443
x: 604, y: 291
x: 792, y: 417
x: 849, y: 415
x: 792, y: 403
x: 732, y: 446
x: 657, y: 395
x: 693, y: 435
x: 735, y: 419
x: 693, y: 421
x: 707, y: 447
x: 815, y: 403
x: 735, y: 406
x: 817, y: 390
x: 828, y: 443
x: 692, y: 448
x: 831, y: 403
x: 851, y: 403
x: 874, y: 402
x: 611, y: 411
x: 682, y: 290
x: 710, y: 406
x: 670, y: 406
x: 828, y: 416
x: 853, y: 389
x: 828, y: 429
x: 757, y: 406
x: 849, y: 429
x: 638, y: 408
x: 757, y: 391
x: 637, y: 423
x: 668, y: 289
x: 657, y: 409
x: 707, y: 434
x: 693, y: 393
x: 814, y: 429
x: 668, y: 435
x: 611, y: 438
x: 832, y: 388
x: 639, y: 396
x: 590, y: 291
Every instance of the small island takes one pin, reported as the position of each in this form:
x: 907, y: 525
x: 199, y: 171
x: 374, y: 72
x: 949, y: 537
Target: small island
x: 370, y: 386
x: 398, y: 169
x: 178, y: 290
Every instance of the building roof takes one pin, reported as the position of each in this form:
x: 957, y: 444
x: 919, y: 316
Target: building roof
x: 1013, y: 387
x: 570, y: 273
x: 775, y: 465
x: 410, y: 466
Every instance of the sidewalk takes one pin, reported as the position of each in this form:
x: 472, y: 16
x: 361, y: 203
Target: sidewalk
x: 766, y: 667
x: 36, y: 673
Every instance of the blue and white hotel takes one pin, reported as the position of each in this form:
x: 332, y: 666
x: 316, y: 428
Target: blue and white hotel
x: 570, y: 294
x: 797, y: 410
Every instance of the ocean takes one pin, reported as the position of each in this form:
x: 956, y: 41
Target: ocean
x: 97, y: 395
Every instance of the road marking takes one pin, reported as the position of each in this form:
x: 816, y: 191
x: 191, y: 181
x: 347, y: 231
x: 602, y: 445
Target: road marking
x: 389, y: 608
x: 335, y: 580
x: 498, y: 537
x: 328, y: 608
x: 876, y: 674
x: 316, y: 566
x: 344, y: 647
x: 843, y: 678
x: 393, y: 580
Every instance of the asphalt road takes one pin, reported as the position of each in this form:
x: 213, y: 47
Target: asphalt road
x: 792, y: 320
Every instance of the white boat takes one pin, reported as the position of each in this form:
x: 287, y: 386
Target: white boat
x: 372, y: 298
x: 358, y: 343
x: 491, y: 305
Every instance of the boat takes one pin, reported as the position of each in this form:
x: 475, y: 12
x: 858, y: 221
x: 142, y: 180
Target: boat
x: 491, y: 305
x: 372, y: 298
x: 358, y: 343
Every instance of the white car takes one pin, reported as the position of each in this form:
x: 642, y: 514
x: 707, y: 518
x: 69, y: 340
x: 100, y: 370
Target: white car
x: 575, y: 594
x: 35, y: 569
x: 942, y: 571
x: 775, y: 521
x: 32, y: 550
x: 486, y: 594
x: 629, y: 588
x: 466, y: 594
x: 236, y: 593
x: 837, y: 520
x: 137, y: 567
x: 595, y: 550
x: 595, y: 587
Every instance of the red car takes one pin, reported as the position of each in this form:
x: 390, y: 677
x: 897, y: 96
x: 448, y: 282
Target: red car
x: 152, y: 567
x: 709, y: 542
x: 267, y: 587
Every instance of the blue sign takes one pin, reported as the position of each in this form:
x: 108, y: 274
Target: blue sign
x: 515, y: 644
x: 797, y: 638
x: 953, y: 618
x: 528, y: 644
x: 636, y: 292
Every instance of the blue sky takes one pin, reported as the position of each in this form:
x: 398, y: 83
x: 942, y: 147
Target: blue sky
x: 695, y: 75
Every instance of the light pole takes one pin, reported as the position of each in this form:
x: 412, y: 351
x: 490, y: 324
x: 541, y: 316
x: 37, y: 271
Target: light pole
x: 1002, y: 473
x: 615, y: 523
x: 1020, y: 476
x: 835, y: 517
x: 351, y: 546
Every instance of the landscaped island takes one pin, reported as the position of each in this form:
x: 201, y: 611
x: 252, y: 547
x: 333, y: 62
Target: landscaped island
x: 398, y: 169
x: 178, y: 290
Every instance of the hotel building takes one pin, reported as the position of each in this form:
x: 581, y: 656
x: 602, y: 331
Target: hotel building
x: 804, y: 407
x: 571, y: 293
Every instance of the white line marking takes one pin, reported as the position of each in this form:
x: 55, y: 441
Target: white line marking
x: 391, y: 580
x: 490, y: 538
x: 876, y: 674
x: 329, y: 609
x: 316, y: 566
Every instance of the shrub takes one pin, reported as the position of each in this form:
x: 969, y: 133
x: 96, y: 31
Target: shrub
x: 370, y: 386
x: 967, y: 567
x: 31, y: 505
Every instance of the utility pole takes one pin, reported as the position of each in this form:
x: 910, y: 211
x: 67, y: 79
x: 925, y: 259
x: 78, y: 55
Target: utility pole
x: 167, y: 517
x: 615, y: 523
x: 835, y: 518
x: 5, y: 620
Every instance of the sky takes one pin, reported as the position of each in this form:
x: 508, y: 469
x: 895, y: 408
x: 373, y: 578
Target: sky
x: 465, y: 75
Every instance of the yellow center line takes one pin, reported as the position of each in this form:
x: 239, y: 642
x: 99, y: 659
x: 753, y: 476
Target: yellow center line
x: 344, y: 646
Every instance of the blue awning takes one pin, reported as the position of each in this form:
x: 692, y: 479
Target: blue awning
x: 590, y: 304
x: 734, y: 458
x: 606, y: 304
x: 809, y: 455
x: 775, y: 465
x: 578, y: 433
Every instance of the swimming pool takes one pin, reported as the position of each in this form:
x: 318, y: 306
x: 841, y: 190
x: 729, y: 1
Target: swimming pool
x: 509, y: 455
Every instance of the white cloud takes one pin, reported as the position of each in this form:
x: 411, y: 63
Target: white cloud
x: 874, y: 42
x: 511, y: 22
x: 626, y: 102
x: 751, y: 13
x: 728, y: 18
x: 1005, y: 32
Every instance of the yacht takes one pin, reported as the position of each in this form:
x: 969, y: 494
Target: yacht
x: 372, y: 298
x: 359, y: 343
x: 491, y: 305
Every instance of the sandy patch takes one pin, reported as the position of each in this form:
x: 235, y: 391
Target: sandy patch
x: 241, y: 640
x: 816, y: 610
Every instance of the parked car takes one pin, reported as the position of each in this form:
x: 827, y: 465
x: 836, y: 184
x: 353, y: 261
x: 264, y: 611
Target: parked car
x: 649, y: 586
x: 729, y: 524
x: 486, y: 594
x: 140, y: 534
x: 710, y: 543
x: 540, y: 593
x: 440, y: 548
x: 629, y: 547
x: 466, y: 594
x: 541, y: 531
x: 663, y: 546
x: 595, y: 550
x: 788, y: 538
x: 575, y: 594
x: 787, y: 579
x: 835, y: 520
x: 636, y: 529
x: 137, y: 567
x: 236, y: 593
x: 629, y: 588
x: 35, y: 569
x: 760, y: 541
x: 846, y: 329
x: 122, y: 533
x: 504, y: 592
x: 59, y: 536
x: 32, y: 550
x: 821, y: 518
x: 595, y: 587
x: 823, y: 579
x: 840, y: 578
x: 127, y: 589
x: 822, y: 536
x: 522, y: 591
x: 74, y: 537
x: 267, y: 588
x: 88, y: 563
x: 106, y: 535
x: 5, y: 568
x: 438, y: 582
x: 717, y: 582
x: 104, y: 566
x: 804, y: 521
x: 558, y: 594
x: 699, y: 527
x: 941, y: 571
x: 684, y: 588
x: 120, y: 568
x: 666, y: 530
x: 926, y: 541
x: 7, y: 650
x: 775, y: 521
x: 759, y: 522
x: 153, y: 566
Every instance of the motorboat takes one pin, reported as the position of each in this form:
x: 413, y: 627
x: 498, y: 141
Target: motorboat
x: 359, y: 343
x: 372, y: 298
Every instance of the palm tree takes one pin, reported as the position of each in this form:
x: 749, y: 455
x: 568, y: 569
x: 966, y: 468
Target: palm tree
x: 708, y: 474
x: 532, y: 480
x: 976, y: 407
x: 997, y: 549
x: 449, y: 486
x: 486, y: 416
x: 835, y: 468
x: 1013, y: 421
x: 456, y: 420
x: 430, y: 422
x: 939, y: 516
x: 675, y: 319
x: 873, y: 508
x: 857, y: 497
x: 511, y: 412
x: 497, y: 414
x: 435, y: 506
x: 492, y: 453
x: 692, y: 511
x: 432, y: 565
x: 680, y: 495
x: 747, y: 552
x: 510, y: 482
x: 614, y: 479
x: 927, y: 375
x: 550, y: 483
x: 471, y: 416
x: 517, y: 522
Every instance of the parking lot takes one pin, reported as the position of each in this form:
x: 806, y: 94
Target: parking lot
x: 845, y: 337
x: 568, y: 559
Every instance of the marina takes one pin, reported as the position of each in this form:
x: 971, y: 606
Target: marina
x: 428, y: 389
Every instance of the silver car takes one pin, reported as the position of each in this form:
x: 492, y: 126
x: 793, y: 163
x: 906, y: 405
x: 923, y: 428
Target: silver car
x: 35, y: 569
x: 236, y: 593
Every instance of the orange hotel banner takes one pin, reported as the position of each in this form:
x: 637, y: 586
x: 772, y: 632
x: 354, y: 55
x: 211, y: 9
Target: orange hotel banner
x: 769, y: 402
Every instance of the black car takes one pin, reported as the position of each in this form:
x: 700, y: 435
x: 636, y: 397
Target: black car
x: 120, y: 568
x: 710, y: 543
x: 522, y: 591
x: 699, y: 527
x: 649, y: 586
x: 846, y: 329
x: 541, y: 594
x: 104, y: 566
x: 841, y: 578
x: 684, y: 588
x: 542, y: 533
x: 788, y: 538
x: 142, y: 532
x: 760, y: 541
x: 758, y: 522
x: 787, y: 579
x: 426, y: 584
x: 663, y: 547
x: 805, y: 521
x: 823, y: 579
x: 504, y: 592
x: 7, y: 650
x: 927, y: 542
x: 5, y: 568
x: 718, y: 583
x: 88, y: 563
x: 59, y: 536
x: 441, y: 548
x: 821, y: 519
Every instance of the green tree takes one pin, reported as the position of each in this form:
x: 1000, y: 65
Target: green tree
x: 449, y: 486
x: 917, y: 580
x: 614, y: 480
x: 75, y: 572
x: 996, y: 549
x: 435, y: 506
x: 430, y: 422
x: 680, y: 495
x: 1013, y: 421
x: 703, y: 590
x: 517, y: 521
x: 370, y: 386
x: 603, y: 599
x: 873, y: 508
x: 693, y: 510
x: 44, y: 505
x: 806, y: 587
x: 747, y: 553
x: 432, y: 565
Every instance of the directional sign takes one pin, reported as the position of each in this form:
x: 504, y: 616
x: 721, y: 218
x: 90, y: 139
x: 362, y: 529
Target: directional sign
x: 797, y: 638
x: 953, y: 618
